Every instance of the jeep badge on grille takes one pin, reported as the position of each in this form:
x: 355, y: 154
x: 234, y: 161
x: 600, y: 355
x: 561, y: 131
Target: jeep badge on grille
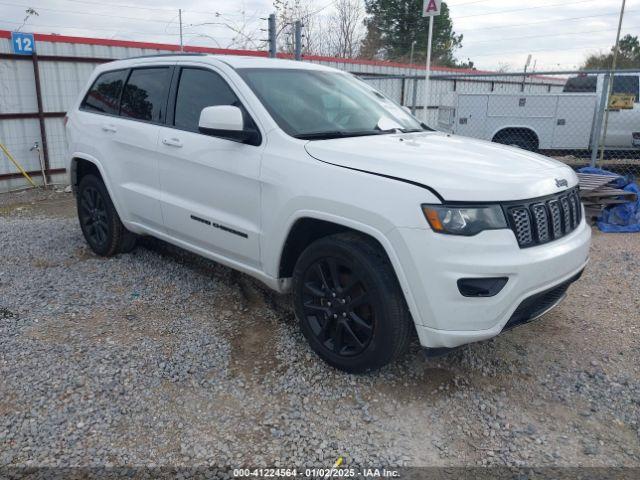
x: 561, y: 182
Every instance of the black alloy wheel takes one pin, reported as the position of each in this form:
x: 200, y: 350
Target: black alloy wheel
x: 93, y: 217
x: 338, y: 307
x: 349, y: 303
x: 99, y: 221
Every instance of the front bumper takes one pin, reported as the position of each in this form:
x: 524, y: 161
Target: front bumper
x: 432, y: 263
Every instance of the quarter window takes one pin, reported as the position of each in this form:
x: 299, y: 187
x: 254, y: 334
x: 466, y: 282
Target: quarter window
x: 582, y: 84
x: 145, y: 94
x: 104, y: 95
x: 199, y: 89
x: 626, y: 84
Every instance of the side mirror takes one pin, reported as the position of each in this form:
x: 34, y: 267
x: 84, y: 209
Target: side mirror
x: 226, y: 121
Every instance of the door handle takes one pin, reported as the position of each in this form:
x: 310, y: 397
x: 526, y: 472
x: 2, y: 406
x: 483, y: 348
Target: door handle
x: 172, y: 142
x: 107, y: 127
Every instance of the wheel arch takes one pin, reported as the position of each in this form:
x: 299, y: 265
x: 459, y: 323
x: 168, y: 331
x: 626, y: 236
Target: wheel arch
x: 307, y: 227
x: 82, y: 164
x: 522, y: 130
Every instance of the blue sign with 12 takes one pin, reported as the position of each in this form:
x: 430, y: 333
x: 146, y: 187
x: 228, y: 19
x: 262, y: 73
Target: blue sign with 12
x: 23, y: 43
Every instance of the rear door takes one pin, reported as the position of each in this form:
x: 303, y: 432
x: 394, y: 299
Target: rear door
x: 211, y: 185
x: 133, y: 161
x: 623, y: 122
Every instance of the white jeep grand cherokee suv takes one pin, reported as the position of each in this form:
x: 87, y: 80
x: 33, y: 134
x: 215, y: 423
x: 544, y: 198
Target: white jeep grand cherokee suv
x: 309, y: 180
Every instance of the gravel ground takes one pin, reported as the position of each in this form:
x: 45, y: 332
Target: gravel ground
x: 160, y: 357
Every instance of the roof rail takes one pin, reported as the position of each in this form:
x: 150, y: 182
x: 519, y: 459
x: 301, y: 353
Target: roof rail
x: 177, y: 54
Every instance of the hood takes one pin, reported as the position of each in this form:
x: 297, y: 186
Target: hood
x: 458, y: 168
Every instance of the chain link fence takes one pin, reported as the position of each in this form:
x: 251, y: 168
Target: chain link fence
x: 580, y: 118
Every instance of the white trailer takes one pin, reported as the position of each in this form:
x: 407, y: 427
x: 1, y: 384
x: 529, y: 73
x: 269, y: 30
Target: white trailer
x: 548, y: 121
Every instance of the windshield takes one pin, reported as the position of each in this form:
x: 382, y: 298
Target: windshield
x: 316, y: 104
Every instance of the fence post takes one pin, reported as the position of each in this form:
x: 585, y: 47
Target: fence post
x: 414, y: 100
x: 597, y: 127
x: 402, y: 88
x: 298, y: 40
x: 43, y: 130
x: 273, y: 46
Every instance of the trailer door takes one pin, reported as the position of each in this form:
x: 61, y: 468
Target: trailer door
x: 574, y: 120
x: 471, y: 119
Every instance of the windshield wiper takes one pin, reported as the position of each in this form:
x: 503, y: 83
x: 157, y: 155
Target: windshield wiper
x: 336, y: 134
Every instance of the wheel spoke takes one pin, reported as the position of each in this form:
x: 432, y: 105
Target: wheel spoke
x: 313, y: 290
x: 87, y: 198
x: 338, y: 337
x: 323, y: 334
x: 102, y: 233
x: 333, y: 270
x: 321, y: 276
x: 85, y: 208
x: 353, y: 335
x: 359, y: 321
x: 316, y: 308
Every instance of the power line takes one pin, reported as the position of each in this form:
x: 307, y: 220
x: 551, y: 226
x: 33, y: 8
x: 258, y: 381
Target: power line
x: 93, y: 14
x: 526, y: 8
x: 564, y: 19
x: 158, y: 9
x: 543, y: 36
x: 114, y: 30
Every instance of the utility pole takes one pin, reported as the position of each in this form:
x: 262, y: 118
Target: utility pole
x: 273, y: 48
x: 297, y: 38
x: 430, y: 8
x: 180, y: 20
x: 428, y: 71
x: 610, y: 87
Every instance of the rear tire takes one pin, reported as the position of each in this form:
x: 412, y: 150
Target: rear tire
x: 349, y: 303
x: 99, y: 221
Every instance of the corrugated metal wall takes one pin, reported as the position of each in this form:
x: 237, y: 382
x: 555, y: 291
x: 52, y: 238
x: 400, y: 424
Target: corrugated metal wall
x: 62, y: 81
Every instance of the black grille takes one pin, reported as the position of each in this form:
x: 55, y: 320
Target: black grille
x: 537, y: 304
x: 541, y: 221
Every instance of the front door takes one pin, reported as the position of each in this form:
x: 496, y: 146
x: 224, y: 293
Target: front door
x: 211, y: 188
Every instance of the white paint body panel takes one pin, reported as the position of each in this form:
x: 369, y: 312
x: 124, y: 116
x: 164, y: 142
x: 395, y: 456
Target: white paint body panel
x: 371, y: 184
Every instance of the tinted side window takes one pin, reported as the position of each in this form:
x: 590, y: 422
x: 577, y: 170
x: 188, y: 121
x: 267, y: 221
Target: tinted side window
x: 198, y: 89
x: 104, y: 95
x: 581, y: 85
x: 145, y: 94
x: 626, y: 84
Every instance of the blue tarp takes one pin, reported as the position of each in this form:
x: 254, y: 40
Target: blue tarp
x: 620, y: 218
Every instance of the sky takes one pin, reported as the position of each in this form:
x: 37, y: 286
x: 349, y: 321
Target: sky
x: 497, y: 33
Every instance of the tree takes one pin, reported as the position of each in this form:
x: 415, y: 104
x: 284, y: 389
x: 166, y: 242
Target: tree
x: 628, y: 55
x: 346, y: 28
x: 393, y: 25
x: 336, y: 31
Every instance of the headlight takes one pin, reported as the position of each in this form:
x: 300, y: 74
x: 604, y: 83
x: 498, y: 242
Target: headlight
x: 464, y: 220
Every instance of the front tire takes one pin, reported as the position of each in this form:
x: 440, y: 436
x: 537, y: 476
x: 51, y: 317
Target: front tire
x: 99, y: 221
x: 349, y: 303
